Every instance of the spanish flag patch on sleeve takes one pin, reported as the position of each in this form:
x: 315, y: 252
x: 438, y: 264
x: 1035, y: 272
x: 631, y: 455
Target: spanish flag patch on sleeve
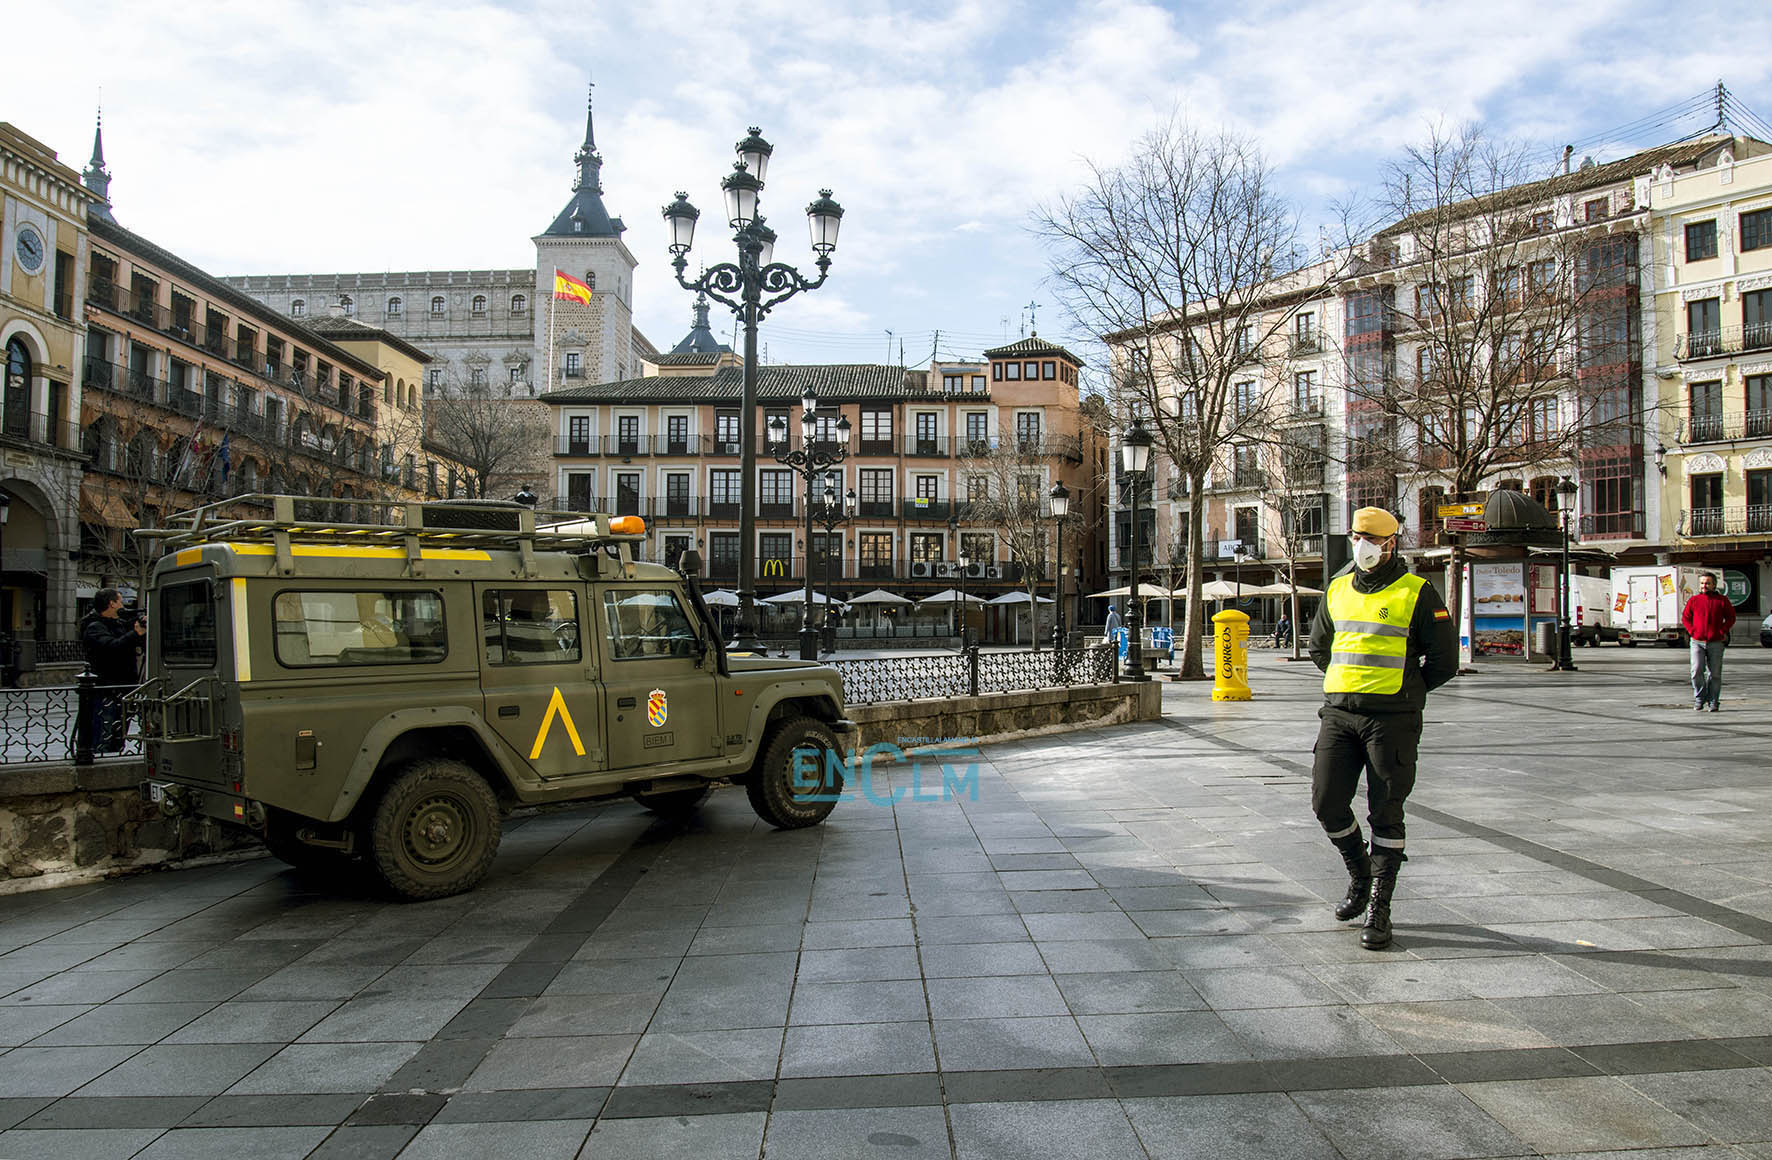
x: 1442, y: 614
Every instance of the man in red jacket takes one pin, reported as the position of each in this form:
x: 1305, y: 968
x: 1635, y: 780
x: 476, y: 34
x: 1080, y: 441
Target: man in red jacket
x: 1707, y: 618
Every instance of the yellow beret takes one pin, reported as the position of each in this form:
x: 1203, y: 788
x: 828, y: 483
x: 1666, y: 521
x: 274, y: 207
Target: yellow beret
x: 1375, y: 522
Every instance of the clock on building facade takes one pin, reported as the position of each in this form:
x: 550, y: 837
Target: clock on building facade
x: 30, y: 249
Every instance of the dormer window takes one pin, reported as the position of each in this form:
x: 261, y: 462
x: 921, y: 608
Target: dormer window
x: 297, y: 308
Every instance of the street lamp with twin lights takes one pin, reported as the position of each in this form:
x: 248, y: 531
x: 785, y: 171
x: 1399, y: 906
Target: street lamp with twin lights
x: 1061, y: 507
x: 1135, y: 457
x: 808, y: 461
x: 831, y: 515
x: 751, y: 287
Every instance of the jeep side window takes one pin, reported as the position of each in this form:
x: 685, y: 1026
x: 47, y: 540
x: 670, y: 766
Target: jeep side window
x: 646, y: 623
x: 530, y: 626
x: 187, y: 625
x: 359, y: 628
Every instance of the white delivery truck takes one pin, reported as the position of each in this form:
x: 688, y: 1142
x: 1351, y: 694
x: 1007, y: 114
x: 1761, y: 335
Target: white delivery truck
x: 1647, y: 601
x: 1590, y: 612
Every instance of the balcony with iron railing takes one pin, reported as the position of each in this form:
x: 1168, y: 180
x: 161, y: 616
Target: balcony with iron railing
x: 1612, y: 526
x: 1729, y: 520
x: 1726, y: 427
x: 1724, y: 341
x: 1303, y: 344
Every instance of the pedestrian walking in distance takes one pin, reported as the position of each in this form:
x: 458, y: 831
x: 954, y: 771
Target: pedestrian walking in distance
x: 1113, y: 623
x: 1383, y: 639
x: 1707, y: 619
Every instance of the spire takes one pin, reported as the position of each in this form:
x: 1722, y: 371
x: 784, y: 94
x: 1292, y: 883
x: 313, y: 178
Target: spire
x: 585, y: 215
x: 700, y: 339
x: 96, y: 177
x: 589, y: 161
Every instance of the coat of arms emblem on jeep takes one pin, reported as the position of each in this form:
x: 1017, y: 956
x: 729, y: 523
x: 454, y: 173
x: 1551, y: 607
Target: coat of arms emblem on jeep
x: 658, y: 708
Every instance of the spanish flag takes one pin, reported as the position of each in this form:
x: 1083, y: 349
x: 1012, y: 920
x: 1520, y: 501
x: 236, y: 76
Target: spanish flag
x: 570, y: 289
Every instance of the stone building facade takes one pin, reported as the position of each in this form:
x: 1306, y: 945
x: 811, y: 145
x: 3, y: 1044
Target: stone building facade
x: 43, y: 225
x: 499, y: 330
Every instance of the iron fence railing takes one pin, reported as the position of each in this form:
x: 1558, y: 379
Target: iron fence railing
x: 972, y: 672
x: 1724, y: 340
x: 39, y: 726
x: 1726, y: 427
x: 1731, y: 520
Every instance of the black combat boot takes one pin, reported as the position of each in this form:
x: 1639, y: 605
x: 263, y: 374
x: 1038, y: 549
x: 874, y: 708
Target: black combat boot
x: 1375, y: 933
x: 1359, y: 875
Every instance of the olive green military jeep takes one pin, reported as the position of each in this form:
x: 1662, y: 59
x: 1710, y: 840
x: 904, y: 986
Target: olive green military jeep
x: 378, y: 694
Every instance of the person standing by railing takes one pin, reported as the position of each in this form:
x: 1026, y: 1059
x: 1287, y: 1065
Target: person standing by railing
x: 113, y: 646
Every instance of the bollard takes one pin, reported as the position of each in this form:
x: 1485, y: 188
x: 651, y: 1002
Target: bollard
x: 86, y: 699
x: 1230, y: 650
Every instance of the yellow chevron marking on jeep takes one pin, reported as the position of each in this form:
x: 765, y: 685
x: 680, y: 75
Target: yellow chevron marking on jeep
x: 556, y: 704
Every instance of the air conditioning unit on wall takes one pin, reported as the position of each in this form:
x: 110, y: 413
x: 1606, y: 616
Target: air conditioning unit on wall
x: 920, y: 570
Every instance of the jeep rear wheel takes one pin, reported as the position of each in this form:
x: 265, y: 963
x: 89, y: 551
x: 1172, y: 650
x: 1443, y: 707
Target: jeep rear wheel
x: 791, y: 793
x: 435, y: 831
x: 673, y: 802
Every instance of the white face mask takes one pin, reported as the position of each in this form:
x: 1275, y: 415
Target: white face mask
x: 1367, y: 555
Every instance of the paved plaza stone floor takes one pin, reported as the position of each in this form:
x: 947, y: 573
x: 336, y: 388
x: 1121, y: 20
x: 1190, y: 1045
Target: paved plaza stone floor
x: 1121, y: 948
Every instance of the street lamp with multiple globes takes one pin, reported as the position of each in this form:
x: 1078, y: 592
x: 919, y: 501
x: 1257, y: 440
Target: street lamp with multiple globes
x: 751, y: 287
x: 1565, y: 662
x: 830, y: 515
x: 1135, y: 457
x: 808, y: 461
x: 1061, y: 507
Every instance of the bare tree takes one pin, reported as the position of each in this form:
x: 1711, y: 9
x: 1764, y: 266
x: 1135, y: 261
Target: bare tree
x: 1495, y: 332
x: 490, y: 434
x: 1184, y: 259
x: 1014, y: 505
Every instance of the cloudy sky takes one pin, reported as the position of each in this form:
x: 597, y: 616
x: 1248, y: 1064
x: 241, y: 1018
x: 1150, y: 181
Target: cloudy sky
x: 309, y: 136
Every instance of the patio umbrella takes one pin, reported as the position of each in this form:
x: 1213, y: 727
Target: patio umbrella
x: 798, y: 597
x: 1227, y: 590
x: 1017, y: 598
x: 1146, y: 591
x: 950, y: 596
x: 881, y: 596
x: 1277, y: 589
x: 720, y: 598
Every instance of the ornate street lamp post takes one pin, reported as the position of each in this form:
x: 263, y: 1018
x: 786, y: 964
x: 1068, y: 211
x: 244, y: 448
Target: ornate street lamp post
x: 1565, y: 661
x: 751, y: 287
x: 830, y: 516
x: 1135, y: 457
x: 1061, y: 506
x: 810, y: 459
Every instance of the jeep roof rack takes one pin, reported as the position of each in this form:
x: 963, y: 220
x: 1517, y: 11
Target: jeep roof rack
x: 495, y: 524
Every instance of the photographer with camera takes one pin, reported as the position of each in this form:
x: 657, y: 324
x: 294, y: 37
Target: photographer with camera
x: 113, y: 643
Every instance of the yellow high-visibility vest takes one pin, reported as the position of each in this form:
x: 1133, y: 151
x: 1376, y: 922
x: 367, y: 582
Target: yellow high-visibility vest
x: 1371, y: 635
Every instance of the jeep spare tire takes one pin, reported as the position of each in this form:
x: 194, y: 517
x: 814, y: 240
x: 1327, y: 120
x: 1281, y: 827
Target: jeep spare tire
x: 435, y: 830
x: 781, y: 799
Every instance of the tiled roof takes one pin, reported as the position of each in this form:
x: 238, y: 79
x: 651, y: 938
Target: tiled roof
x: 835, y: 383
x: 1032, y: 345
x: 130, y: 242
x: 688, y: 358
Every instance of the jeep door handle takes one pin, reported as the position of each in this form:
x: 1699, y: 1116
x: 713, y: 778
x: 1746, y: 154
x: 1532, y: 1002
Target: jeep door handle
x: 624, y: 702
x: 510, y: 711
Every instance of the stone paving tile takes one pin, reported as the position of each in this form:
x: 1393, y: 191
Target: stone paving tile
x: 1433, y: 1123
x: 1128, y: 992
x: 1720, y: 1013
x: 20, y: 1025
x: 862, y: 964
x: 542, y: 1140
x: 384, y: 1020
x: 1453, y: 1025
x: 601, y: 977
x: 611, y: 1014
x: 77, y: 987
x: 858, y: 1049
x: 184, y: 985
x: 190, y: 1069
x: 1307, y: 1033
x: 1582, y: 1115
x: 995, y: 997
x: 1092, y: 955
x: 242, y: 1022
x: 998, y: 1044
x: 985, y: 928
x: 858, y: 1134
x: 878, y: 1001
x: 56, y: 1071
x: 326, y: 1067
x: 1237, y: 988
x: 90, y: 1144
x: 848, y: 935
x: 1227, y: 1127
x: 1579, y: 1019
x: 1075, y: 1129
x: 733, y: 1135
x: 231, y: 1143
x: 561, y: 1061
x: 121, y: 1024
x: 1162, y: 1037
x: 1392, y: 979
x: 966, y: 960
x: 1731, y: 1106
x: 682, y: 1057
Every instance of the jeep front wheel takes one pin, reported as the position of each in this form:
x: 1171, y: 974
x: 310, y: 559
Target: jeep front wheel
x: 435, y: 831
x: 796, y: 782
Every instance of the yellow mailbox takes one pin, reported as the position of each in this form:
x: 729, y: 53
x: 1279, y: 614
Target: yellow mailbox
x: 1230, y: 650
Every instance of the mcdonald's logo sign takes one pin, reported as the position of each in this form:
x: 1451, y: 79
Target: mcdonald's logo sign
x: 774, y: 568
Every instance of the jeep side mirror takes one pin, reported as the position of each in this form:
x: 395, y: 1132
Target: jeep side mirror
x: 689, y: 563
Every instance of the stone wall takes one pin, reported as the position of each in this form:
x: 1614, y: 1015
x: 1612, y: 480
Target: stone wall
x: 59, y: 821
x: 995, y: 716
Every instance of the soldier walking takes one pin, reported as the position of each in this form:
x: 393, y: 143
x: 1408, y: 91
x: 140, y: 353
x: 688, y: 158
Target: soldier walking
x: 1383, y: 639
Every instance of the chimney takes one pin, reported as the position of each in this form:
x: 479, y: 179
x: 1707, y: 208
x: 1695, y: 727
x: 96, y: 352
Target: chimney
x: 1568, y: 152
x: 335, y: 310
